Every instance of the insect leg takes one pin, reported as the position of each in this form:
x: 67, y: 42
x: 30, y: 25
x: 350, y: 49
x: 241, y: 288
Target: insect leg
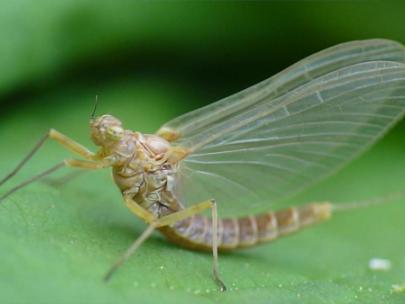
x: 184, y: 213
x: 188, y: 212
x: 130, y: 251
x: 181, y: 215
x: 71, y: 144
x: 168, y: 220
x: 215, y: 268
x: 88, y: 165
x: 65, y: 141
x: 56, y: 182
x: 81, y: 164
x: 138, y: 210
x: 148, y: 218
x: 59, y: 181
x: 31, y: 180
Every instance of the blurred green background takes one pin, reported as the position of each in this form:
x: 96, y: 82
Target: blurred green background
x: 148, y: 62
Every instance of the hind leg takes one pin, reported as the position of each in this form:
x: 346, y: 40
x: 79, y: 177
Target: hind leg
x: 166, y: 221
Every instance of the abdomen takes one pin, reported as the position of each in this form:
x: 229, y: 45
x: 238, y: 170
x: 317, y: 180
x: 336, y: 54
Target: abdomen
x: 196, y: 232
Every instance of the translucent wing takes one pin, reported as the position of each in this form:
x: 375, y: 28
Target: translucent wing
x: 291, y: 130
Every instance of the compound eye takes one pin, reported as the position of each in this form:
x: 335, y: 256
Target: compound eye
x: 115, y: 132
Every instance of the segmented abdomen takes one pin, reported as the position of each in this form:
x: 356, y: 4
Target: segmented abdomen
x: 196, y: 232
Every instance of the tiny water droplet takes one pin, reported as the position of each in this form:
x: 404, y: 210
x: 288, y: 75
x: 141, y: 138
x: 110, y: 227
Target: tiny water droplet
x: 171, y: 287
x: 280, y: 285
x: 161, y: 267
x: 378, y: 264
x: 153, y: 285
x: 197, y: 291
x: 136, y: 284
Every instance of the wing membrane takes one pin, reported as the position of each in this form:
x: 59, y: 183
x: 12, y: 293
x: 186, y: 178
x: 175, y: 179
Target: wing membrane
x: 312, y: 67
x: 293, y: 135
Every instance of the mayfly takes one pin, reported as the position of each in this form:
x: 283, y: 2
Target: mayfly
x: 237, y: 156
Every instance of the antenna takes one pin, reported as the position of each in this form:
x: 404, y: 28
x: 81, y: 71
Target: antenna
x: 93, y: 113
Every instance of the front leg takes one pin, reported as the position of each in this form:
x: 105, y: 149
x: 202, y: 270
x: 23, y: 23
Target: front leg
x: 68, y: 143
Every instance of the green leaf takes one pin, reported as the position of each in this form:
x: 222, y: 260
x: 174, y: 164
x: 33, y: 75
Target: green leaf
x: 58, y: 242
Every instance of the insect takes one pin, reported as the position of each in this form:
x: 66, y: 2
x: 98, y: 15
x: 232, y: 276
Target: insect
x: 241, y: 154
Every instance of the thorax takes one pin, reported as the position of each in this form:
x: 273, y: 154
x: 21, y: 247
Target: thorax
x: 142, y: 171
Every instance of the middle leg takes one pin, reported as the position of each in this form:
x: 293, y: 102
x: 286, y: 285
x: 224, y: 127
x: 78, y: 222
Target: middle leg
x: 74, y: 163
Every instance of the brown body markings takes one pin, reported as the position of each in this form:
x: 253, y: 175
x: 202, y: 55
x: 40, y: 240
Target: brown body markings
x: 146, y: 171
